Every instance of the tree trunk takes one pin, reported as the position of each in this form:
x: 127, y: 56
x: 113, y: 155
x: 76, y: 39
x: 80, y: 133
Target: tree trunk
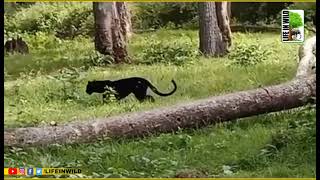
x: 125, y: 19
x: 223, y: 11
x: 211, y: 42
x: 229, y: 10
x: 109, y: 36
x: 192, y: 115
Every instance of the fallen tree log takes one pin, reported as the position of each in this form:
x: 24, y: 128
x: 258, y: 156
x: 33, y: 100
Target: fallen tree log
x: 307, y: 58
x: 295, y: 93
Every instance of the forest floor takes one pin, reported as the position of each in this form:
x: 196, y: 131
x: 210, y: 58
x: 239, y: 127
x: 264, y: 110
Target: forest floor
x: 49, y: 85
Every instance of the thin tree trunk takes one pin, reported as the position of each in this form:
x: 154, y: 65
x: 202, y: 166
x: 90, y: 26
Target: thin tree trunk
x: 103, y: 20
x: 211, y: 42
x: 109, y: 36
x: 125, y: 19
x: 222, y: 9
x: 200, y: 113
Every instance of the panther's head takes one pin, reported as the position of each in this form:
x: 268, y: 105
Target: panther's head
x: 90, y: 87
x: 97, y: 86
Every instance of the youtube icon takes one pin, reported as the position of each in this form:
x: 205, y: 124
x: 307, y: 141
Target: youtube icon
x: 12, y: 171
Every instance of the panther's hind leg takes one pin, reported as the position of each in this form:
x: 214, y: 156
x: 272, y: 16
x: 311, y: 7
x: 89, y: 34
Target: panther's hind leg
x: 140, y: 93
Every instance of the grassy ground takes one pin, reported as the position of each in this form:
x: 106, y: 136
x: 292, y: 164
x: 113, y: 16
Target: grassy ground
x: 273, y: 145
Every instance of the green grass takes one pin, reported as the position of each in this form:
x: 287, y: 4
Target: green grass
x: 273, y: 145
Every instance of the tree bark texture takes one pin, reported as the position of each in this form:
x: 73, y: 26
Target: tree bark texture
x: 125, y: 19
x: 307, y: 58
x: 295, y: 93
x: 211, y: 41
x: 229, y: 10
x: 223, y: 10
x: 109, y: 36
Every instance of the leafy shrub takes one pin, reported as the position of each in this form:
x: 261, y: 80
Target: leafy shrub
x: 42, y: 41
x: 94, y: 58
x: 78, y: 22
x: 257, y: 12
x: 173, y: 53
x: 69, y: 78
x: 52, y: 18
x: 157, y: 15
x: 248, y: 54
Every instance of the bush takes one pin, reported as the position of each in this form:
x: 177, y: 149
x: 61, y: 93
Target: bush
x: 69, y: 78
x: 78, y: 22
x: 157, y: 15
x: 173, y: 53
x: 51, y: 18
x: 257, y: 13
x: 94, y: 58
x: 248, y: 54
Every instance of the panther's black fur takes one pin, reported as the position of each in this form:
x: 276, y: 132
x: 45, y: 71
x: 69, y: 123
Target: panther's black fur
x: 123, y: 87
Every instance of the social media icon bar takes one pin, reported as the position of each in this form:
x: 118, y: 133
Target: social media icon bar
x: 21, y: 171
x: 30, y: 172
x: 39, y: 171
x: 12, y: 171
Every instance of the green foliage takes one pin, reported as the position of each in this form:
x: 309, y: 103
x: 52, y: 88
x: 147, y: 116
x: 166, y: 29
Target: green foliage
x: 110, y: 95
x: 257, y: 13
x: 69, y: 78
x: 168, y: 53
x: 78, y: 22
x: 248, y: 54
x: 69, y: 19
x: 41, y: 41
x: 309, y: 10
x: 66, y: 19
x: 298, y: 130
x: 157, y: 15
x: 295, y: 20
x: 49, y: 53
x: 97, y: 59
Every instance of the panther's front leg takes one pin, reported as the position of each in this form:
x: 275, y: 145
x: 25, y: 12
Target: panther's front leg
x: 103, y: 98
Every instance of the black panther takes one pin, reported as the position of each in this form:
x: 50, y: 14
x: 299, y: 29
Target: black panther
x: 123, y: 87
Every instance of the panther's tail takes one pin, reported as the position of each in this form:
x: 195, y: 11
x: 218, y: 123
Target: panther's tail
x: 155, y: 90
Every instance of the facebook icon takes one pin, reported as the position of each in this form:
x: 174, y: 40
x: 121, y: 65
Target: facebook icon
x: 30, y: 171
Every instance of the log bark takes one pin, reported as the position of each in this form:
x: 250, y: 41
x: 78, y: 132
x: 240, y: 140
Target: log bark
x: 210, y: 35
x: 295, y: 93
x: 307, y: 58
